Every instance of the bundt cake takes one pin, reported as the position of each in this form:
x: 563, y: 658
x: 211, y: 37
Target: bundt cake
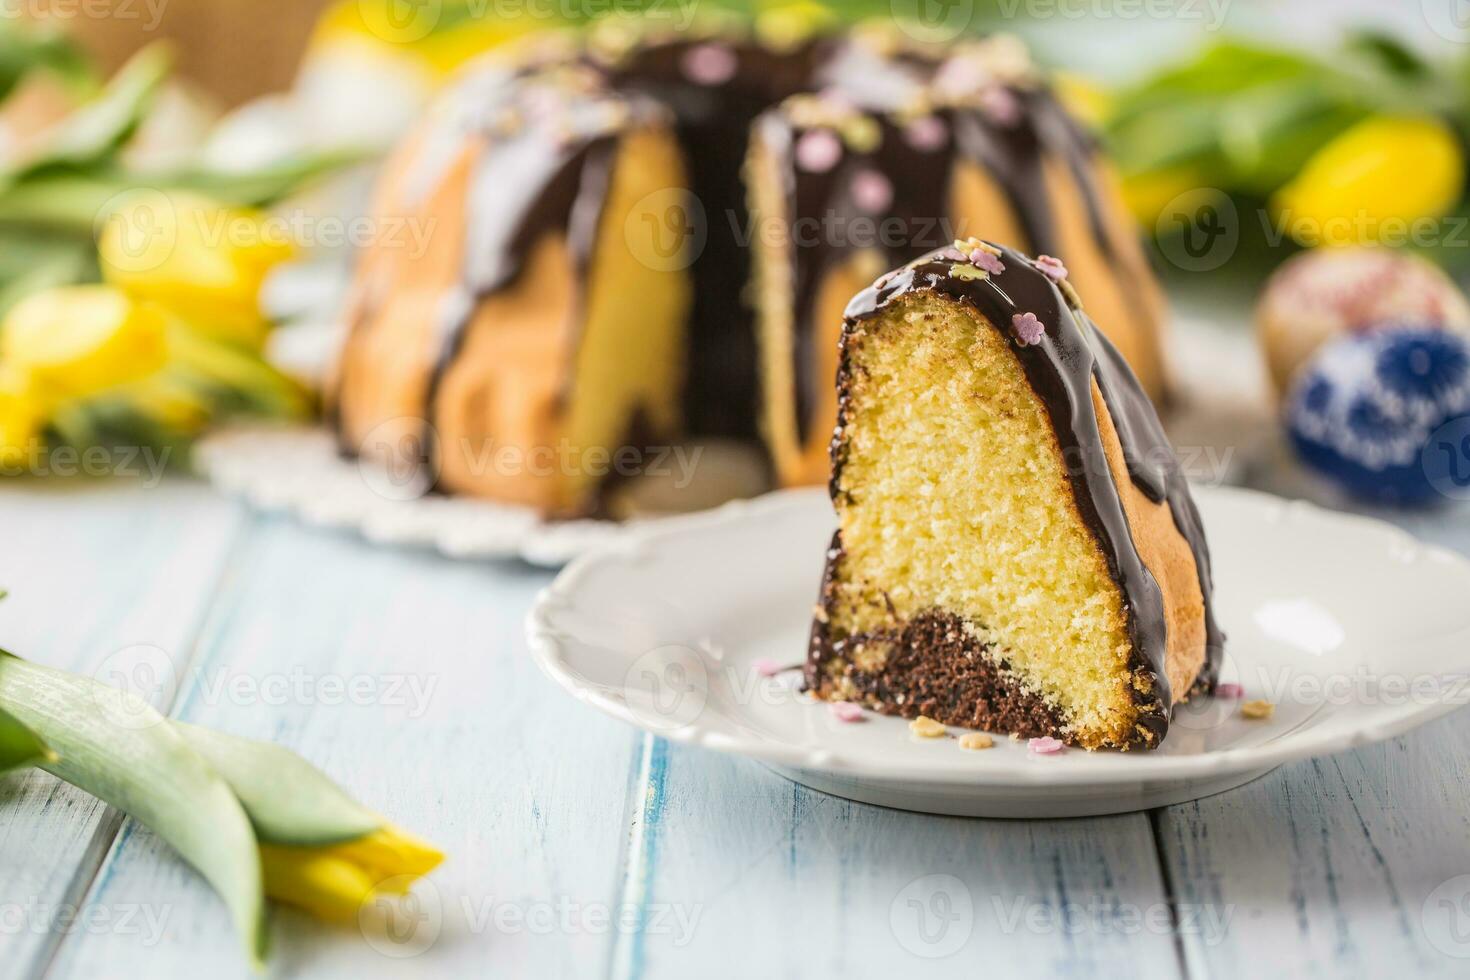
x: 608, y: 233
x: 1017, y: 549
x: 531, y: 340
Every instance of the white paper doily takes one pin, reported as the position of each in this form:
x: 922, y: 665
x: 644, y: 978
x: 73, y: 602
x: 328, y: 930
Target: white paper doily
x: 298, y: 470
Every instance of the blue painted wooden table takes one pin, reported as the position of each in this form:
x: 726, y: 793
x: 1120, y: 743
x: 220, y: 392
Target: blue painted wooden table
x: 580, y: 847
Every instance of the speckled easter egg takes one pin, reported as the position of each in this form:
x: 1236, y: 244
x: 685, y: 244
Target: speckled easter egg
x: 1362, y: 411
x: 1317, y: 296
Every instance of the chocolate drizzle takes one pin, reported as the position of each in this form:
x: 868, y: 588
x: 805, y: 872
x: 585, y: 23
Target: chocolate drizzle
x: 1012, y: 151
x: 712, y: 123
x: 830, y: 224
x: 1061, y: 370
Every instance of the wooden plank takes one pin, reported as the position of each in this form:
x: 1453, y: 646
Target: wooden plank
x: 458, y: 738
x: 92, y: 569
x: 1335, y: 867
x: 747, y: 871
x: 1341, y: 866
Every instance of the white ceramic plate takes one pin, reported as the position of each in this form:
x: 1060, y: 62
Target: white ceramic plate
x: 1352, y: 628
x: 298, y: 470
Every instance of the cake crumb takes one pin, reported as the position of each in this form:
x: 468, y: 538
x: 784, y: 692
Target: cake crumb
x: 926, y: 727
x: 976, y: 741
x: 1258, y: 710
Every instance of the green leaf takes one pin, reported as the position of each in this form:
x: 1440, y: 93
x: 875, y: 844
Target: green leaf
x: 19, y: 745
x: 264, y: 185
x: 96, y: 131
x: 115, y: 746
x: 289, y: 800
x: 38, y: 264
x: 30, y: 48
x: 240, y: 379
x: 60, y: 201
x: 1389, y: 53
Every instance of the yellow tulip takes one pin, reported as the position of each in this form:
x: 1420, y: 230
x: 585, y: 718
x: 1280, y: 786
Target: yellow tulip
x: 1374, y: 182
x: 21, y: 420
x: 1148, y: 194
x: 1083, y: 97
x: 436, y: 38
x: 787, y: 23
x: 74, y: 341
x: 333, y: 882
x: 195, y: 257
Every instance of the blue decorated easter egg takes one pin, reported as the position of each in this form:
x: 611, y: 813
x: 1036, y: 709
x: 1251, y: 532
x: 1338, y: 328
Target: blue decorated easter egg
x: 1377, y: 413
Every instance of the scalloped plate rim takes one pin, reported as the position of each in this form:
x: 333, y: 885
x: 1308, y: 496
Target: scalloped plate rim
x: 1141, y: 768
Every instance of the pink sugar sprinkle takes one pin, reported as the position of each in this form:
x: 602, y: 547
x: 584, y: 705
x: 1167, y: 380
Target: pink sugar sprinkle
x: 1028, y: 329
x: 1000, y: 106
x: 872, y: 191
x: 1052, y: 267
x: 767, y: 667
x: 818, y: 151
x: 988, y: 261
x: 959, y: 76
x: 1045, y: 745
x: 845, y: 711
x: 1229, y: 692
x: 836, y: 100
x: 709, y: 64
x: 928, y: 133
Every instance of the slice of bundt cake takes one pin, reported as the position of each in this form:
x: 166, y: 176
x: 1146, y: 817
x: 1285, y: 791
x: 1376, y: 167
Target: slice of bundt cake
x: 899, y: 156
x: 593, y: 208
x: 1017, y: 549
x: 542, y: 332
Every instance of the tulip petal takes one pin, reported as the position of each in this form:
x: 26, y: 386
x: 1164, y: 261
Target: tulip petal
x: 323, y: 884
x: 392, y: 855
x: 75, y: 341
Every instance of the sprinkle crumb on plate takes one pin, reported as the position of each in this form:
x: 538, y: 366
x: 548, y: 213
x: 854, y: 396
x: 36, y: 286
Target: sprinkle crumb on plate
x: 926, y: 727
x: 1258, y: 710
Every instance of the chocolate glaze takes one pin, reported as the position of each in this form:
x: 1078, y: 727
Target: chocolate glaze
x: 1061, y: 370
x: 829, y: 226
x: 549, y: 140
x: 712, y: 124
x: 1011, y: 151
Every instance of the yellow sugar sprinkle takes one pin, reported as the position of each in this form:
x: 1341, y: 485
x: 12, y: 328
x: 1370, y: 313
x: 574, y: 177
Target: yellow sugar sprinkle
x: 926, y: 727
